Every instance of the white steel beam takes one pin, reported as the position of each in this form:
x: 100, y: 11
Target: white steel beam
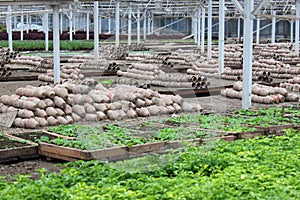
x: 145, y: 27
x: 259, y: 6
x: 129, y: 23
x: 46, y: 31
x: 22, y: 27
x: 56, y: 49
x: 194, y: 27
x: 88, y: 25
x: 74, y: 24
x: 71, y: 22
x: 199, y: 27
x: 257, y: 30
x: 203, y: 30
x: 292, y: 30
x: 221, y: 35
x: 149, y: 25
x: 209, y: 30
x: 138, y: 21
x: 247, y: 59
x: 239, y: 28
x: 117, y: 24
x: 273, y: 36
x: 9, y: 28
x: 109, y: 25
x: 152, y: 23
x: 96, y: 31
x: 238, y: 6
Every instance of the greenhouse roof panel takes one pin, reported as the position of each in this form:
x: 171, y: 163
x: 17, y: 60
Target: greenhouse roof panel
x: 35, y: 2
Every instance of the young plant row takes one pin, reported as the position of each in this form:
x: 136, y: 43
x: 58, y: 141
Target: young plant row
x: 260, y: 168
x: 92, y: 138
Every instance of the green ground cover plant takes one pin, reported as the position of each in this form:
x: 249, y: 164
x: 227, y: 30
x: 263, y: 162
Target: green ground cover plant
x: 39, y: 45
x: 260, y: 168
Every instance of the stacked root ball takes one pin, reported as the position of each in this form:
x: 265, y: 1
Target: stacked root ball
x: 38, y: 106
x: 64, y: 104
x: 261, y: 93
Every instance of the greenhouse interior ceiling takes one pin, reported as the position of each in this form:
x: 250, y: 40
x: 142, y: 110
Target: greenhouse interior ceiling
x: 160, y: 7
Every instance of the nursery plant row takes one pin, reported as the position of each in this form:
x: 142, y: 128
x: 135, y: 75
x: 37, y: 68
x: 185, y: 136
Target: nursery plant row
x: 258, y: 168
x: 109, y: 142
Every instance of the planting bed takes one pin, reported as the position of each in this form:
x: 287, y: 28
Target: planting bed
x: 13, y: 149
x: 155, y: 134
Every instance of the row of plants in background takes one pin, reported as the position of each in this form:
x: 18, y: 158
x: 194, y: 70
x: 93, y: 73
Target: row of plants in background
x: 260, y: 168
x: 181, y: 127
x: 91, y: 138
x: 34, y: 35
x: 39, y: 45
x: 241, y: 120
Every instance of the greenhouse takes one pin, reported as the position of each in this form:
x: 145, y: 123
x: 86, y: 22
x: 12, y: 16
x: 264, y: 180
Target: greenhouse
x: 149, y: 99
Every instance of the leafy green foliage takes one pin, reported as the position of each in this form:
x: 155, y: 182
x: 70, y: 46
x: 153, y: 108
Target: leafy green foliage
x: 32, y: 45
x: 106, y: 81
x: 260, y: 168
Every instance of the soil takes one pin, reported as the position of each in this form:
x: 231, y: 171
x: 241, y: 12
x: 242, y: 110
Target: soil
x: 29, y: 167
x: 7, y: 143
x: 33, y: 136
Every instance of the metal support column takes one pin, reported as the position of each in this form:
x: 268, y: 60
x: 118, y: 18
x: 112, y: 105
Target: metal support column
x: 221, y: 35
x: 257, y: 30
x: 109, y: 25
x: 74, y: 24
x: 292, y: 30
x: 129, y: 24
x: 239, y: 28
x: 149, y: 25
x: 145, y: 27
x: 152, y: 23
x: 22, y: 26
x: 71, y: 23
x: 96, y: 31
x: 138, y: 21
x: 297, y: 27
x: 56, y: 49
x: 9, y: 28
x: 46, y: 31
x: 273, y: 28
x: 117, y: 40
x: 209, y: 30
x: 199, y: 27
x: 203, y: 30
x: 88, y: 25
x: 247, y: 59
x: 194, y: 27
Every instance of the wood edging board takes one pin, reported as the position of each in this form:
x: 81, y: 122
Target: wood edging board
x: 29, y: 149
x: 118, y: 153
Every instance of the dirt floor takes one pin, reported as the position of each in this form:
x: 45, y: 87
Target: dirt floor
x: 210, y: 104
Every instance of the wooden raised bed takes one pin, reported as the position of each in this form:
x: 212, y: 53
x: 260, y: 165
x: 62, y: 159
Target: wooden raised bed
x: 119, y: 153
x: 32, y: 136
x: 109, y: 154
x: 12, y: 149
